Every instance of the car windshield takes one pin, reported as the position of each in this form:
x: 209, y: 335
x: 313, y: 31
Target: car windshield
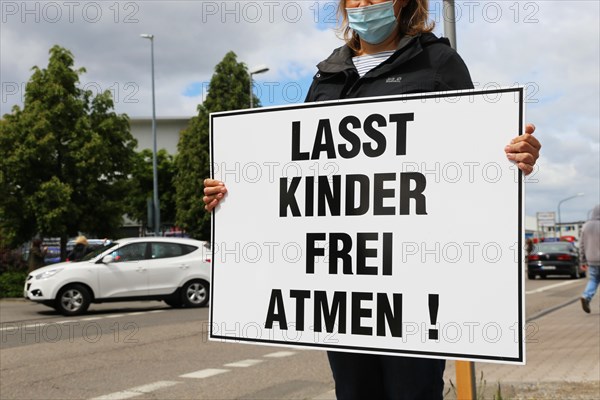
x: 553, y: 248
x: 94, y: 253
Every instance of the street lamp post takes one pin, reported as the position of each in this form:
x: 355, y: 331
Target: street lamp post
x: 465, y: 370
x: 154, y: 164
x: 559, y: 221
x: 449, y: 15
x: 257, y: 70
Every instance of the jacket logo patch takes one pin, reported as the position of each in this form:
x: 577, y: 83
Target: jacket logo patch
x: 394, y: 80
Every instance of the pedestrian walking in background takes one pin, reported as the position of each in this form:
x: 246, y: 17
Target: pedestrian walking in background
x: 80, y: 249
x: 36, y: 255
x: 389, y: 50
x: 528, y: 246
x: 589, y: 247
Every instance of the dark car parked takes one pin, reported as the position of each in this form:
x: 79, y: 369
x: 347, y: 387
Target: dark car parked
x: 554, y: 258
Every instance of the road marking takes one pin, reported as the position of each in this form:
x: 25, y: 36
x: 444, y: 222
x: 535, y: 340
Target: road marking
x: 543, y: 289
x: 244, y: 363
x: 71, y: 321
x: 204, y: 373
x: 201, y: 374
x: 17, y: 325
x: 280, y: 354
x: 13, y: 326
x: 137, y: 391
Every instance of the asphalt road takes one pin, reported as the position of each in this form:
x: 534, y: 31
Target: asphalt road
x: 145, y: 350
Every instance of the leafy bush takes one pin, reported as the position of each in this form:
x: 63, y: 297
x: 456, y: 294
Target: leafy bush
x: 11, y: 283
x: 12, y: 260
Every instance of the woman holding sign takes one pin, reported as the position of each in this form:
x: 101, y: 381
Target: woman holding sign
x: 390, y: 50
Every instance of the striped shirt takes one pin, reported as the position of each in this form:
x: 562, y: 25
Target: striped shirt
x: 367, y: 62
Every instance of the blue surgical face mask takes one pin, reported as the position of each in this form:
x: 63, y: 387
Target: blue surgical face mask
x: 373, y: 23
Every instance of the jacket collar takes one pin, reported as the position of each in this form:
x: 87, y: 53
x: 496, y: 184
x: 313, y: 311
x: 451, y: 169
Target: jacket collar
x: 408, y: 48
x: 339, y: 60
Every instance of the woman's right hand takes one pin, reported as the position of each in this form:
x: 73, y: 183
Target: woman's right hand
x: 214, y: 191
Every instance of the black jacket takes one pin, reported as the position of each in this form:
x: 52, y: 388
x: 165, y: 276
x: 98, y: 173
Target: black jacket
x: 79, y: 251
x: 422, y: 63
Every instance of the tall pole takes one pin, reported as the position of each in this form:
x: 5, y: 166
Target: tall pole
x: 154, y: 162
x: 258, y: 70
x: 449, y: 15
x: 251, y: 94
x: 465, y: 370
x: 559, y: 220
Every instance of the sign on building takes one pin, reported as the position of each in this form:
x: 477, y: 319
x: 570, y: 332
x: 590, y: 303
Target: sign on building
x: 546, y: 218
x: 389, y: 225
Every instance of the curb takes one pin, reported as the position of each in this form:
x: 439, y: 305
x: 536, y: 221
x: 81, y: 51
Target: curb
x: 547, y: 311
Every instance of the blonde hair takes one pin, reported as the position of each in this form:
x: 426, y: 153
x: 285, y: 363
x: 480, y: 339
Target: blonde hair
x: 413, y: 20
x: 81, y: 240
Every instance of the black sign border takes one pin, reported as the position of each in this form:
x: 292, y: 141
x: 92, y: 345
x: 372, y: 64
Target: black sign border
x: 374, y: 350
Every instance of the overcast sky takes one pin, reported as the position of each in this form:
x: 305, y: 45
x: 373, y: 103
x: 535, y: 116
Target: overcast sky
x: 550, y: 47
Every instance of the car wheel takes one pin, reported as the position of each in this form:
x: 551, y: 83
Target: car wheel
x: 194, y: 294
x: 531, y: 276
x: 73, y: 300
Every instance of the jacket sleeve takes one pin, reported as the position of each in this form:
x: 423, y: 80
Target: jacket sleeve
x: 453, y: 74
x: 582, y: 257
x: 310, y: 93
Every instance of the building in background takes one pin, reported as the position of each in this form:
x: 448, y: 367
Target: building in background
x: 567, y: 230
x: 167, y: 132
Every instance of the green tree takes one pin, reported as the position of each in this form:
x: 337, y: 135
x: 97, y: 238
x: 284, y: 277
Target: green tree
x: 141, y: 186
x: 65, y: 158
x: 228, y: 90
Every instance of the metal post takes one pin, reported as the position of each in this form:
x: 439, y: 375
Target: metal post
x: 465, y: 380
x: 559, y: 220
x: 465, y: 370
x: 251, y: 94
x: 154, y: 150
x: 258, y: 70
x: 559, y: 227
x: 449, y: 16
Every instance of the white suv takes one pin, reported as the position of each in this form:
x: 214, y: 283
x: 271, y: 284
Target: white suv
x: 174, y: 270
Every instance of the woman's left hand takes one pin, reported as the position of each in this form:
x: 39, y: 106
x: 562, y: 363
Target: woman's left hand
x: 524, y: 150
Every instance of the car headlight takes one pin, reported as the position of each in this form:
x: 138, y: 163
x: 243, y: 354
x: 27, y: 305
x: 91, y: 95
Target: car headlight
x: 48, y: 274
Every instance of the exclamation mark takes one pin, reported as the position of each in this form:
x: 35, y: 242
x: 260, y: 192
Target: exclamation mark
x: 434, y: 303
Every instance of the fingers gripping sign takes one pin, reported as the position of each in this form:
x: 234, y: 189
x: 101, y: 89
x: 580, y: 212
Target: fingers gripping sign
x: 524, y: 150
x: 214, y: 191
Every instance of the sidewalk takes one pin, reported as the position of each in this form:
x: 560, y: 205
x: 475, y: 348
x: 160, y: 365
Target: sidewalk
x: 563, y: 361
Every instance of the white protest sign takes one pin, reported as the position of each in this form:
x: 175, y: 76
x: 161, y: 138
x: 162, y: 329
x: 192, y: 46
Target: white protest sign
x: 389, y: 225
